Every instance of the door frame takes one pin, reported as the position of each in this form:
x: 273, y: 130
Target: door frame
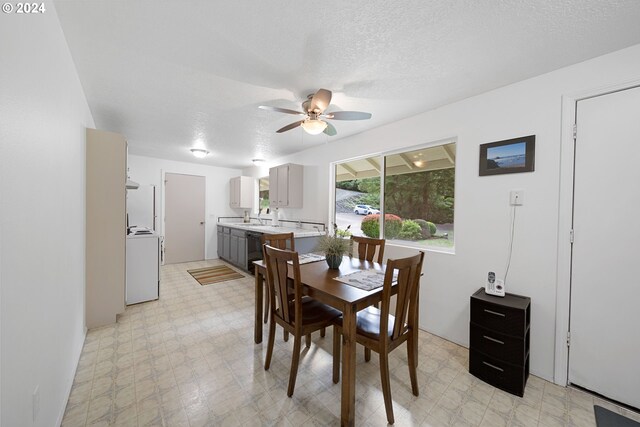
x: 163, y: 177
x: 565, y: 221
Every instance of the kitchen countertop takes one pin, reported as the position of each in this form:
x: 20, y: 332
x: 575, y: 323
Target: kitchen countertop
x: 297, y: 232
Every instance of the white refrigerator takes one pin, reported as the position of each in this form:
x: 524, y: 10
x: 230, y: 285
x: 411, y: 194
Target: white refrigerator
x: 141, y: 207
x: 143, y: 268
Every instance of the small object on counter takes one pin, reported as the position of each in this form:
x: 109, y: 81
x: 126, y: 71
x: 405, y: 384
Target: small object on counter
x: 246, y: 219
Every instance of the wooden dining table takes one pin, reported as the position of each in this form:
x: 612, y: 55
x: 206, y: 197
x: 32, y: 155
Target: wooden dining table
x: 317, y: 280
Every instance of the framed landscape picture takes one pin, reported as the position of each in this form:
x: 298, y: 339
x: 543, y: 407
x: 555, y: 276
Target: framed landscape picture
x: 508, y: 156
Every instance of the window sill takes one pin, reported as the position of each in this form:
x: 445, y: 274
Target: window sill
x: 409, y: 245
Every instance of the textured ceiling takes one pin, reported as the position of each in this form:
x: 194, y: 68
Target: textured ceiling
x: 171, y: 75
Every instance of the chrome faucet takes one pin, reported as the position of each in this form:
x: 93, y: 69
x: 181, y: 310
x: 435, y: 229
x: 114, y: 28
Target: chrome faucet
x: 299, y: 224
x: 260, y: 220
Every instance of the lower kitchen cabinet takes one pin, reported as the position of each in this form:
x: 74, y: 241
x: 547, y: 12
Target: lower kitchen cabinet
x: 238, y: 247
x: 225, y: 246
x: 232, y: 246
x: 233, y: 249
x: 242, y: 252
x: 223, y: 242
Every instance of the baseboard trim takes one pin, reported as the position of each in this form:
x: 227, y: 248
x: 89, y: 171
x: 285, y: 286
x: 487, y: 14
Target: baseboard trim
x: 73, y: 375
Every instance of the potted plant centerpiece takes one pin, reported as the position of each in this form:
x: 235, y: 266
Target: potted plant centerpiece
x: 335, y: 246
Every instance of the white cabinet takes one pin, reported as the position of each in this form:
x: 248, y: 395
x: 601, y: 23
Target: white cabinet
x: 241, y: 190
x: 273, y: 187
x: 106, y: 227
x: 285, y: 186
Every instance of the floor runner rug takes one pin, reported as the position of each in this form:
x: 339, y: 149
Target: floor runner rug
x: 217, y: 274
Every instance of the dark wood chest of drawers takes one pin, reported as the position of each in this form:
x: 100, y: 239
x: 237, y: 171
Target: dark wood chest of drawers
x: 499, y: 337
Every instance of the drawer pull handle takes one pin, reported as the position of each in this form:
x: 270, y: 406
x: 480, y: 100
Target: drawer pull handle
x: 494, y: 313
x: 493, y: 366
x: 493, y: 339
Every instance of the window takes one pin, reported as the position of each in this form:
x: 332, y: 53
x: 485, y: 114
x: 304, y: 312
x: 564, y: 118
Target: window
x: 417, y: 190
x: 357, y: 193
x: 419, y: 193
x: 263, y: 194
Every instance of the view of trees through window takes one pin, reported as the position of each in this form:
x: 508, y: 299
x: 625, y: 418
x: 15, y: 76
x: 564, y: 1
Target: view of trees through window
x: 418, y: 196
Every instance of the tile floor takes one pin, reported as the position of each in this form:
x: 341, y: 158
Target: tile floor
x: 189, y: 360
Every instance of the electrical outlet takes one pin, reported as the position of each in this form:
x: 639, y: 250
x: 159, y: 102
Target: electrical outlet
x: 36, y: 402
x: 516, y: 197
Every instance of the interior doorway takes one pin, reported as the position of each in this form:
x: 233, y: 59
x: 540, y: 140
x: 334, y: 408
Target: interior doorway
x: 605, y: 267
x: 184, y: 218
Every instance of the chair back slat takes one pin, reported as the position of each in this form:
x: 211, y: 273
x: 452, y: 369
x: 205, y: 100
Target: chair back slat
x: 367, y: 248
x: 276, y: 261
x: 279, y: 241
x: 409, y: 270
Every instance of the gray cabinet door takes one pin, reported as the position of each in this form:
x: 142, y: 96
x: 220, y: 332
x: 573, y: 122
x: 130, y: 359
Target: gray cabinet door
x: 225, y: 246
x: 219, y: 244
x: 242, y: 253
x: 233, y: 250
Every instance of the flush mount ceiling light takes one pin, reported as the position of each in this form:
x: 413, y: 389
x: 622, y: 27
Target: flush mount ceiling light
x: 419, y: 163
x: 314, y: 127
x: 199, y: 152
x: 258, y: 162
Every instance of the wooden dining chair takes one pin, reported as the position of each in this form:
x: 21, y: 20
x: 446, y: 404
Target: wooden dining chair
x: 367, y: 248
x: 280, y: 241
x: 382, y: 332
x: 299, y: 317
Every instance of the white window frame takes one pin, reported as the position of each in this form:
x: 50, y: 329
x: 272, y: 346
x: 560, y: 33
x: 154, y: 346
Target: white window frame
x: 382, y: 156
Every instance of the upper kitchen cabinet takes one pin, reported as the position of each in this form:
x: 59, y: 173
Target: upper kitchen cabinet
x: 285, y: 186
x: 241, y: 192
x: 106, y: 227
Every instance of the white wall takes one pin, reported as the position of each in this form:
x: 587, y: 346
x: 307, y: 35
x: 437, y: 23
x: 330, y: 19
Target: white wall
x: 149, y: 170
x: 43, y: 115
x: 482, y: 212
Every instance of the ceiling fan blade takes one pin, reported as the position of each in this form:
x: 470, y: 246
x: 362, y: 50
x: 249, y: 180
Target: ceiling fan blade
x: 281, y: 110
x: 320, y: 101
x: 330, y: 130
x: 348, y: 115
x: 290, y: 126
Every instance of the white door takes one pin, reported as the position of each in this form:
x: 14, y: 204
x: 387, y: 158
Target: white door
x: 605, y: 284
x: 184, y: 231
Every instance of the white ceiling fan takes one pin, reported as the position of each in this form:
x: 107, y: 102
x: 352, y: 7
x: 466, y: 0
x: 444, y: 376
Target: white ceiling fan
x: 314, y: 121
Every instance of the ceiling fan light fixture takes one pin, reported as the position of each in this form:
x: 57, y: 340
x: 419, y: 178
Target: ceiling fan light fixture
x: 314, y: 126
x: 199, y: 152
x: 419, y: 163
